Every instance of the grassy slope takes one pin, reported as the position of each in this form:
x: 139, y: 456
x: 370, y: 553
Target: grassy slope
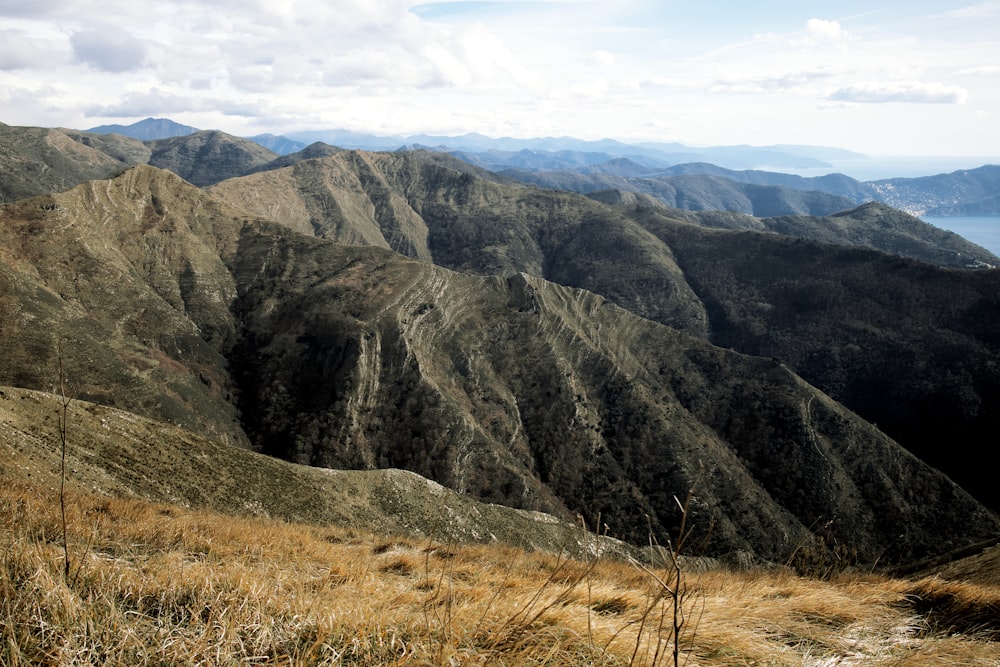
x: 156, y: 583
x: 112, y: 452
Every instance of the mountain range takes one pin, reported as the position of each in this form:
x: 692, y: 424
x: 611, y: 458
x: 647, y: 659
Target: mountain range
x: 588, y: 166
x: 963, y: 192
x: 541, y: 349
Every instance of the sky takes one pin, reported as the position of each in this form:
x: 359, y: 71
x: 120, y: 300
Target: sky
x: 897, y: 77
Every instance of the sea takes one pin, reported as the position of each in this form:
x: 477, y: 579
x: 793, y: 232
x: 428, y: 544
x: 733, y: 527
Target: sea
x: 981, y: 230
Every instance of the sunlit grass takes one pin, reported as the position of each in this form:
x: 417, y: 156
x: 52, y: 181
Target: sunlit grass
x: 158, y: 584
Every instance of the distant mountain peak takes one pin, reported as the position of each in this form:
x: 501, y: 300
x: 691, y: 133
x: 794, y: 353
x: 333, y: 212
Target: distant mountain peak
x: 147, y: 129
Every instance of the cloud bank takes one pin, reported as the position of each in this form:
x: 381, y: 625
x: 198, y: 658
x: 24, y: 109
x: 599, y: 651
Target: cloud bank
x: 906, y: 92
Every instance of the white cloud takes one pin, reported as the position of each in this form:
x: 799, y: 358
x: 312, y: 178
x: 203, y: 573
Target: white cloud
x: 152, y: 102
x: 825, y: 30
x: 139, y: 104
x: 109, y: 49
x: 984, y: 70
x: 789, y: 82
x: 913, y: 92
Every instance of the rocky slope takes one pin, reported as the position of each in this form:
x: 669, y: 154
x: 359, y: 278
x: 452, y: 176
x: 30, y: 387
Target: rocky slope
x: 431, y: 207
x: 125, y: 276
x: 506, y: 387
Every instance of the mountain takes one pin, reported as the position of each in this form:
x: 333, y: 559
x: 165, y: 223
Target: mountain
x: 870, y: 225
x: 147, y: 129
x: 435, y: 208
x: 278, y: 144
x: 964, y: 192
x: 967, y: 192
x: 208, y: 156
x: 124, y: 297
x: 432, y: 207
x: 584, y: 168
x: 483, y: 150
x: 126, y: 150
x: 152, y: 129
x: 160, y: 299
x: 989, y: 205
x: 836, y: 184
x: 910, y: 347
x: 310, y: 152
x: 40, y: 160
x: 577, y: 161
x: 692, y: 192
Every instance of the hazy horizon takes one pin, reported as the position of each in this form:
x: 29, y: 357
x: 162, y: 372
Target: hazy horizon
x: 903, y: 78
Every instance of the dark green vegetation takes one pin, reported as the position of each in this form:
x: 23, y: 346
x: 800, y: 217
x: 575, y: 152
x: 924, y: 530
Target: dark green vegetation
x: 313, y: 312
x: 914, y: 352
x: 910, y: 347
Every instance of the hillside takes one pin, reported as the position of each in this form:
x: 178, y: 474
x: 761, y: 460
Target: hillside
x: 36, y: 160
x: 910, y: 347
x: 872, y: 225
x: 506, y: 387
x: 173, y: 583
x: 434, y: 208
x: 963, y: 192
x: 678, y: 176
x: 209, y: 156
x: 146, y: 130
x: 120, y: 454
x: 703, y: 186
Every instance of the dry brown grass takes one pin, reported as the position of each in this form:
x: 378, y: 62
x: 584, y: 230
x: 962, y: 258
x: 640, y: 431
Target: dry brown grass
x: 157, y: 584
